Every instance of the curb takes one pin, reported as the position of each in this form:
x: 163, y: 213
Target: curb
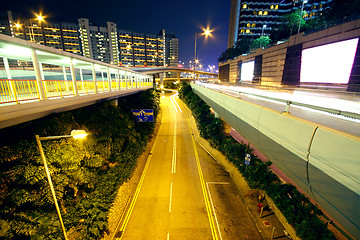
x: 236, y: 176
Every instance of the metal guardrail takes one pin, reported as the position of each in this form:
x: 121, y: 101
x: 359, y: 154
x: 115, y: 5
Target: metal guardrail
x: 18, y: 90
x: 289, y: 103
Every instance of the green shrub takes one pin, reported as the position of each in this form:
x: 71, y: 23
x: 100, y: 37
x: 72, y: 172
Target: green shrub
x: 297, y: 208
x: 86, y: 174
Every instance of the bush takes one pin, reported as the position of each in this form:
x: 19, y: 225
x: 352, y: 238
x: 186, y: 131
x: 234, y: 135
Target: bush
x: 297, y: 208
x: 86, y: 174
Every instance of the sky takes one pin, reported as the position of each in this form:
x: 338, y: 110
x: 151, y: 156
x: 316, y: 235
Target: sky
x: 184, y: 18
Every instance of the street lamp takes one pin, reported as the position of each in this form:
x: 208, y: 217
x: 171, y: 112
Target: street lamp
x: 40, y: 19
x: 302, y: 9
x: 76, y: 134
x: 207, y: 32
x: 262, y: 31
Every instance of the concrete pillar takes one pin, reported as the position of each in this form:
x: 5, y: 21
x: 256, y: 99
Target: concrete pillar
x: 82, y: 79
x: 38, y: 75
x: 8, y: 75
x: 65, y: 78
x: 126, y: 80
x: 161, y: 80
x: 118, y: 80
x: 73, y: 78
x: 178, y: 77
x: 43, y: 78
x: 109, y: 78
x: 94, y: 77
x: 103, y: 80
x: 7, y: 68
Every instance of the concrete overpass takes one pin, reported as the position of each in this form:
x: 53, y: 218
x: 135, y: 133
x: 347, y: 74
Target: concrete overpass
x: 322, y: 161
x: 162, y: 70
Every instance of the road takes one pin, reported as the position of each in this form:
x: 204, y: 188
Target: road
x: 183, y: 193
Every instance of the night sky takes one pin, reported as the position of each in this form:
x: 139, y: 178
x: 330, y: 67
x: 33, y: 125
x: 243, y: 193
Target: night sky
x: 183, y: 17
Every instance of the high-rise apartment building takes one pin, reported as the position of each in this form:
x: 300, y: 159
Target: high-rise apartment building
x: 63, y: 36
x: 254, y: 18
x: 138, y: 49
x: 172, y: 49
x: 104, y: 43
x: 99, y: 43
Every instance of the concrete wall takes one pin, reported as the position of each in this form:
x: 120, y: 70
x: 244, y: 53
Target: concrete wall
x: 321, y: 161
x: 274, y: 57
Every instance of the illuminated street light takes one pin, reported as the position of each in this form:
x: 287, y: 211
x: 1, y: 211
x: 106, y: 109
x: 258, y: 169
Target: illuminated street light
x: 262, y: 32
x: 40, y: 19
x: 302, y: 9
x: 76, y: 134
x: 207, y: 32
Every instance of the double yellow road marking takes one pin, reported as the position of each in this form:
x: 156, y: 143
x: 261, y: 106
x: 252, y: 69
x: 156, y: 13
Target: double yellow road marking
x: 203, y: 187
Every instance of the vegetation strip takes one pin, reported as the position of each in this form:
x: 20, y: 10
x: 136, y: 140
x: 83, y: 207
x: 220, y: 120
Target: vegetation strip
x: 297, y: 208
x: 86, y: 175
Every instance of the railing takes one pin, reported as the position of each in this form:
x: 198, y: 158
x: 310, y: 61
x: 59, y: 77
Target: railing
x: 289, y: 103
x: 18, y: 90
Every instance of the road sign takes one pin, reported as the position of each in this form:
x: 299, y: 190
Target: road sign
x: 143, y: 115
x: 247, y: 158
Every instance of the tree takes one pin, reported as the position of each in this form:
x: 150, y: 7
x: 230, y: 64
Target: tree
x: 242, y: 46
x: 291, y: 21
x: 260, y: 42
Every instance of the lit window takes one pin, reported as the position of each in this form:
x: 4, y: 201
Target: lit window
x: 248, y: 25
x: 266, y: 13
x: 272, y: 7
x: 242, y: 30
x: 260, y: 13
x: 255, y: 13
x: 245, y: 5
x: 277, y: 7
x: 247, y: 30
x: 253, y: 25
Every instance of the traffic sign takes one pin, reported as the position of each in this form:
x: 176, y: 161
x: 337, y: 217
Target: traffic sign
x: 247, y: 158
x: 143, y: 115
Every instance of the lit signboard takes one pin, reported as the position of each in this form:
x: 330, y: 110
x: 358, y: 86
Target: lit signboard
x: 330, y: 63
x: 247, y: 71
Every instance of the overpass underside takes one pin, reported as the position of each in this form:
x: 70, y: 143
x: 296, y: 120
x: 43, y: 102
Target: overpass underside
x: 321, y: 161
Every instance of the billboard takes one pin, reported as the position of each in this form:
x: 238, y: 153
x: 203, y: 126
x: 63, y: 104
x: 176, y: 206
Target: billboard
x: 247, y: 71
x: 330, y: 63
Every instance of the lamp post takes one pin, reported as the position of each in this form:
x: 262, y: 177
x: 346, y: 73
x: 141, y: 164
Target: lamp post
x: 207, y: 32
x: 75, y: 134
x: 40, y: 19
x: 302, y: 9
x: 262, y: 31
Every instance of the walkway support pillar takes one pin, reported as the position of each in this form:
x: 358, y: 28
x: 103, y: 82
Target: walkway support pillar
x: 65, y: 78
x: 8, y: 75
x: 94, y: 77
x: 38, y: 75
x: 108, y: 77
x: 73, y: 78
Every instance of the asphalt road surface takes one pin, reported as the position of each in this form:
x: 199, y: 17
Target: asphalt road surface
x: 184, y: 193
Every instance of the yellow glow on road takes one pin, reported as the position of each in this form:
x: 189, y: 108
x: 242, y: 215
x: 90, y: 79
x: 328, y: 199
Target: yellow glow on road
x: 202, y: 182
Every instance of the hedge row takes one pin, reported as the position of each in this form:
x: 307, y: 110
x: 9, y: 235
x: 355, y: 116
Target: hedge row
x: 86, y: 174
x: 297, y: 208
